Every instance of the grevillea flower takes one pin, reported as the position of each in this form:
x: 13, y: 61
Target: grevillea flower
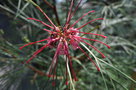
x: 62, y: 38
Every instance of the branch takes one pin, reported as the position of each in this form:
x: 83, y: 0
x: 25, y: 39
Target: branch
x: 42, y: 73
x: 54, y: 9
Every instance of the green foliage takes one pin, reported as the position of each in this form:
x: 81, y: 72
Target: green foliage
x: 117, y: 68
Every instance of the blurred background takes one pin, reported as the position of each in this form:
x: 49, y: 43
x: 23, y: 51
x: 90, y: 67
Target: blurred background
x: 118, y: 69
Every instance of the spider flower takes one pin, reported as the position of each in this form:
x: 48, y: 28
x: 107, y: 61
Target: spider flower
x: 62, y: 38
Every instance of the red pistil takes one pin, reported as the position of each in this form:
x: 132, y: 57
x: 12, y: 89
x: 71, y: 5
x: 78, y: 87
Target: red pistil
x: 66, y: 82
x: 89, y: 58
x: 103, y: 56
x: 41, y: 22
x: 53, y: 83
x: 49, y: 31
x: 55, y: 58
x: 98, y: 41
x: 32, y: 43
x: 37, y: 52
x: 92, y: 34
x: 75, y: 10
x: 89, y: 22
x: 81, y: 18
x: 46, y: 17
x: 70, y: 64
x: 69, y: 13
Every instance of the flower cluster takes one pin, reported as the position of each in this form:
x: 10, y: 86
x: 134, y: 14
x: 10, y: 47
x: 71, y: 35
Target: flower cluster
x: 62, y: 38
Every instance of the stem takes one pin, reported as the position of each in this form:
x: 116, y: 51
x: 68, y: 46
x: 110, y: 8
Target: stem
x: 42, y: 73
x: 48, y: 4
x: 54, y: 9
x: 56, y: 13
x: 71, y: 81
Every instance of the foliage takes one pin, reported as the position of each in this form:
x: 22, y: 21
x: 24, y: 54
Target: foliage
x: 117, y: 68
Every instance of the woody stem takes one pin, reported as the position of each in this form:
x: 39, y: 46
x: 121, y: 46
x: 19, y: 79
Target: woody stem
x: 54, y: 9
x: 56, y: 13
x: 48, y: 4
x: 42, y: 73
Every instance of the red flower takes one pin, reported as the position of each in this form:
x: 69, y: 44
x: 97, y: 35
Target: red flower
x: 62, y: 38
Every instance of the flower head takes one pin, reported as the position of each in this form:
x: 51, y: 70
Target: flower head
x: 62, y: 38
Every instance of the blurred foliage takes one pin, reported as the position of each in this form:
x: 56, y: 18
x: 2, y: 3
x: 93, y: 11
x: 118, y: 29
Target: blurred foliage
x: 117, y: 69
